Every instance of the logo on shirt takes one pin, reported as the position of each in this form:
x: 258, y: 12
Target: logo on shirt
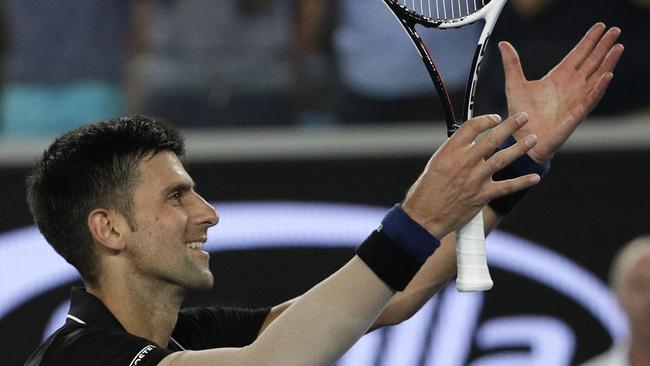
x: 142, y: 354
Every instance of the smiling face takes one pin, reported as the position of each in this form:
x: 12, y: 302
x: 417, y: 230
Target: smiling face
x: 171, y: 226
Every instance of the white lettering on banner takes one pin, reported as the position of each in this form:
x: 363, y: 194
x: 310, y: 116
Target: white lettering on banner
x: 452, y: 336
x: 551, y: 341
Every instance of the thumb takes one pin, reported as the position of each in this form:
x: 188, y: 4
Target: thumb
x: 511, y: 64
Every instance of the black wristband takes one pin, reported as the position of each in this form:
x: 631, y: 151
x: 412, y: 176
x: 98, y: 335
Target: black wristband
x: 522, y: 166
x: 397, y: 249
x: 390, y: 263
x: 408, y: 234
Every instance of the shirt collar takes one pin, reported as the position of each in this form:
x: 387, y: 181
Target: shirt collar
x: 88, y: 309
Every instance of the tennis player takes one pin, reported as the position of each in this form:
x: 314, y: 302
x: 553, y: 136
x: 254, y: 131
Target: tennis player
x: 113, y: 198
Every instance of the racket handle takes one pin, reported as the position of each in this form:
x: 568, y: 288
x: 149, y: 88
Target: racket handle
x: 473, y: 273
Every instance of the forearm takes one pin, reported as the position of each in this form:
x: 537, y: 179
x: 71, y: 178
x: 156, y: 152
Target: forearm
x: 426, y: 214
x: 347, y: 304
x: 433, y: 276
x: 315, y: 330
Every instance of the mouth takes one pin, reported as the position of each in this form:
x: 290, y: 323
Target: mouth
x: 195, y: 245
x: 196, y: 248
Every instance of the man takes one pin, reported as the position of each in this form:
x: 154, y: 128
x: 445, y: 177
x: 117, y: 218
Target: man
x: 114, y: 199
x: 630, y: 280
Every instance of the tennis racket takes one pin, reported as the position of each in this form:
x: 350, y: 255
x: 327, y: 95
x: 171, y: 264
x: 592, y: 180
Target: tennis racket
x: 473, y: 273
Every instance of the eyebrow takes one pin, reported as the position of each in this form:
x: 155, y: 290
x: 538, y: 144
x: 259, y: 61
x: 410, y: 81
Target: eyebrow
x: 182, y: 186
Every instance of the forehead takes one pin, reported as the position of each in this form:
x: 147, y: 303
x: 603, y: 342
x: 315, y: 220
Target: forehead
x: 162, y: 169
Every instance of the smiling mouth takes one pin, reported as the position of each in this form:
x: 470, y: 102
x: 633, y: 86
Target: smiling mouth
x: 196, y: 245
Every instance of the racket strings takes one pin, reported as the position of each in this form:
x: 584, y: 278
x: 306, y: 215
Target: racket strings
x: 444, y: 9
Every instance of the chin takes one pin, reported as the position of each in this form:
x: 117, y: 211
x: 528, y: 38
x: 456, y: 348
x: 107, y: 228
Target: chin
x: 204, y: 283
x: 193, y: 278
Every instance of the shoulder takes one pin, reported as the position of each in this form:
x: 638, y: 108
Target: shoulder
x: 76, y: 344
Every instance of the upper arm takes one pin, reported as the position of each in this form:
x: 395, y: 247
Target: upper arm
x: 274, y: 313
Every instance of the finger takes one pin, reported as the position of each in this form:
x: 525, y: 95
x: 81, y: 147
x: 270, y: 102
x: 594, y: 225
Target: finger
x: 491, y: 141
x: 502, y: 188
x: 596, y: 94
x: 602, y: 49
x: 505, y: 157
x: 579, y: 53
x: 511, y: 64
x: 470, y: 130
x: 592, y: 98
x: 608, y: 65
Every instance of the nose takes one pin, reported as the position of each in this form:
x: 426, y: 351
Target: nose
x: 205, y: 214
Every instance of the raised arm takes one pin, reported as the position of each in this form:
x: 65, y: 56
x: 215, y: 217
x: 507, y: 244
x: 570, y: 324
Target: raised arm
x: 327, y: 320
x: 556, y: 105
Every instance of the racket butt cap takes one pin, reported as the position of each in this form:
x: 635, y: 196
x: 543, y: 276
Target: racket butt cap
x: 473, y: 286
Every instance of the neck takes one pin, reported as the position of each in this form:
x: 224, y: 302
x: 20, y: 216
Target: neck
x: 147, y: 311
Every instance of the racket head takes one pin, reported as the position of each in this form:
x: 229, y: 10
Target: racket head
x: 443, y: 13
x: 440, y: 14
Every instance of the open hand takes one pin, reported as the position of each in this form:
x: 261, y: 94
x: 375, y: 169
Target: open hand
x: 558, y: 102
x: 457, y: 181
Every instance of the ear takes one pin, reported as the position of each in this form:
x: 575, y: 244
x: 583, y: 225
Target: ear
x: 107, y: 228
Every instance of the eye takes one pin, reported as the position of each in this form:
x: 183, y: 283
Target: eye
x: 176, y: 196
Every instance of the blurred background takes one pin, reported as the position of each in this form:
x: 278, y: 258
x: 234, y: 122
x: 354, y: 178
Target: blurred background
x: 289, y: 105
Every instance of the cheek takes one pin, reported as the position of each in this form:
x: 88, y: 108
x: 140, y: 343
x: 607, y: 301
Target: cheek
x: 175, y: 216
x: 167, y: 215
x: 167, y: 224
x: 170, y: 224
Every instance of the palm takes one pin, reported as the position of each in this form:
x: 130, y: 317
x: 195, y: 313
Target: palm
x: 550, y: 102
x: 557, y: 103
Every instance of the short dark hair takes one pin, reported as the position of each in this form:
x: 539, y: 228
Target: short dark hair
x: 94, y: 166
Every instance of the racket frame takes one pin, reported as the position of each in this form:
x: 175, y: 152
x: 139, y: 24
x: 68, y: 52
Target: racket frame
x: 409, y: 19
x: 473, y: 272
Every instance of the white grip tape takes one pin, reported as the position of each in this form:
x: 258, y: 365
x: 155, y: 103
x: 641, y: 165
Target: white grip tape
x: 473, y: 273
